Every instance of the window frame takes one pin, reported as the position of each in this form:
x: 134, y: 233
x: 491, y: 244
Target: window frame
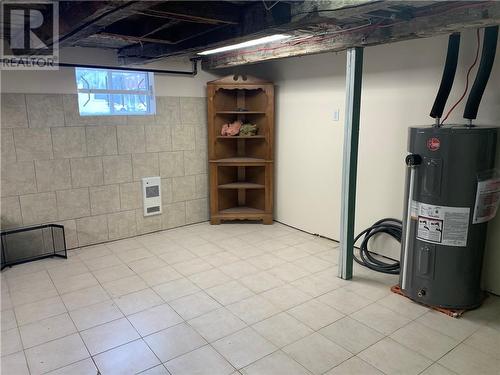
x: 149, y: 93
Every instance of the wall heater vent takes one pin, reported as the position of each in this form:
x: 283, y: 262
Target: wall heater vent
x: 151, y: 193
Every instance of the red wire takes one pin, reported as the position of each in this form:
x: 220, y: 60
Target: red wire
x: 322, y: 38
x: 466, y: 80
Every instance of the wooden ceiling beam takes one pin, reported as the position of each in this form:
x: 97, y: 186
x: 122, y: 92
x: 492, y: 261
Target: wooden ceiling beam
x: 313, y: 11
x: 73, y: 15
x: 470, y: 15
x: 344, y: 11
x: 111, y: 12
x: 258, y: 21
x: 255, y: 19
x: 207, y: 12
x: 166, y: 25
x: 186, y: 17
x: 151, y: 51
x: 133, y: 39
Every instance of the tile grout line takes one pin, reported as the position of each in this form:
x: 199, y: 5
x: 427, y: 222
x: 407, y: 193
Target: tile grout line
x: 411, y: 349
x: 193, y: 328
x: 37, y: 321
x: 462, y: 342
x: 199, y: 257
x: 125, y: 316
x: 184, y: 276
x: 77, y: 330
x: 184, y: 321
x: 20, y: 337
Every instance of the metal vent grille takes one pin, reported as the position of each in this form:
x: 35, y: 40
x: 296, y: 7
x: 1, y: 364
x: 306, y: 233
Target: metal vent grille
x: 152, y: 191
x: 151, y: 195
x: 153, y: 209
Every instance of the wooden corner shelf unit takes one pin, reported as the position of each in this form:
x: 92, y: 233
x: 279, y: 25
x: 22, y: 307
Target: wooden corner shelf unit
x: 241, y: 167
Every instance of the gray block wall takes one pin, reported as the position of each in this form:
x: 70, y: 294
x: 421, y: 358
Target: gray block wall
x: 85, y: 171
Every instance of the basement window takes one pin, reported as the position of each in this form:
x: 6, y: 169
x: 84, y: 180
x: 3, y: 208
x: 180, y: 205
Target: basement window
x: 107, y: 92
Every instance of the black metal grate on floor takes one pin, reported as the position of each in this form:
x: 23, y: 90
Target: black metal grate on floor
x: 23, y: 245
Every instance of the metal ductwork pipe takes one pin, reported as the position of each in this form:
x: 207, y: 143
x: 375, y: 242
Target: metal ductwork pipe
x: 450, y: 68
x: 483, y: 72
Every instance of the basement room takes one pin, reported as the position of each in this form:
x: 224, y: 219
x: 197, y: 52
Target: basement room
x: 262, y: 187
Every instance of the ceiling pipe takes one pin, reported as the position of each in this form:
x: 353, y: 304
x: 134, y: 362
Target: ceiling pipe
x: 483, y: 72
x: 192, y: 73
x: 450, y: 68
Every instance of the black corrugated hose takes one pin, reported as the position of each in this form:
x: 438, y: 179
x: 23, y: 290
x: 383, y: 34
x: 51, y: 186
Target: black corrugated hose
x: 393, y: 228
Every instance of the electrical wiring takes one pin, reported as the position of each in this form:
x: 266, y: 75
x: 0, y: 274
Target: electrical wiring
x: 418, y: 12
x: 308, y: 39
x: 327, y: 34
x: 466, y: 80
x: 315, y: 39
x: 392, y: 227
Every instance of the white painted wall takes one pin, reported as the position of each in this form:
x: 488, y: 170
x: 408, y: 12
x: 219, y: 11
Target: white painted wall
x: 308, y: 141
x: 62, y: 81
x: 399, y: 85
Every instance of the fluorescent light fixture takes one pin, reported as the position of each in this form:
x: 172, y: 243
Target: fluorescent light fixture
x: 250, y: 43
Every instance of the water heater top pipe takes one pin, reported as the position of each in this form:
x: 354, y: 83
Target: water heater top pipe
x: 483, y: 72
x: 450, y: 67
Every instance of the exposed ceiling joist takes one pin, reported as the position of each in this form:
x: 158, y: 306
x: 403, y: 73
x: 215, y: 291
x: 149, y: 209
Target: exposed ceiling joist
x: 312, y: 11
x: 102, y: 18
x: 471, y: 15
x: 103, y: 41
x: 309, y: 17
x: 204, y: 15
x: 72, y: 16
x: 165, y: 25
x: 133, y: 38
x: 144, y: 31
x: 255, y: 19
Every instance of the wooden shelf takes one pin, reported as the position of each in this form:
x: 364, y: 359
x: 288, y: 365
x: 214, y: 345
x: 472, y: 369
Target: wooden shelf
x: 241, y: 136
x: 239, y: 160
x: 240, y: 112
x: 243, y: 210
x: 241, y: 185
x: 241, y: 171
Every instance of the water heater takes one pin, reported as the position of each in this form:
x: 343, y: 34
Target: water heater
x: 452, y: 191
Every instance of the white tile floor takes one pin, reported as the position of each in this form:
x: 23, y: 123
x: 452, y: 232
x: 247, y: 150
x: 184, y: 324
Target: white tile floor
x: 228, y: 299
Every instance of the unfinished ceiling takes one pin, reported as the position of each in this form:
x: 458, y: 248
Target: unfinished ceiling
x: 143, y: 31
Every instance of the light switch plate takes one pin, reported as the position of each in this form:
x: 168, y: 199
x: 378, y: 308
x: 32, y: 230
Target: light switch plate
x: 336, y: 115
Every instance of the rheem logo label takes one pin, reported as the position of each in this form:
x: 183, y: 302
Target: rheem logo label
x: 433, y: 144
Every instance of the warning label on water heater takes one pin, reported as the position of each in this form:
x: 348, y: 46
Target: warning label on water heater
x: 444, y: 225
x: 487, y: 200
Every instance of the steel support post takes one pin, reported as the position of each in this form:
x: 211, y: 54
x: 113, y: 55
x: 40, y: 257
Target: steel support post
x: 354, y: 72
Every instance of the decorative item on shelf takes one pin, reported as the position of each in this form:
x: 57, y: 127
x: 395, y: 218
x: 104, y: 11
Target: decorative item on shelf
x: 242, y: 110
x: 231, y: 129
x: 248, y: 130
